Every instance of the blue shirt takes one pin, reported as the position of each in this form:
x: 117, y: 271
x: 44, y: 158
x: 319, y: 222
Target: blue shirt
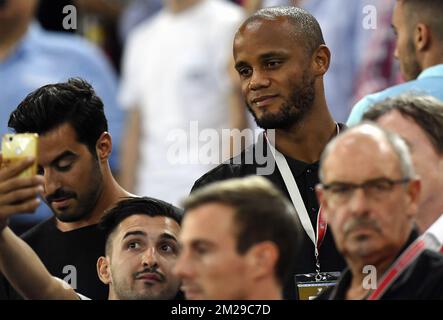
x: 429, y: 82
x: 43, y: 57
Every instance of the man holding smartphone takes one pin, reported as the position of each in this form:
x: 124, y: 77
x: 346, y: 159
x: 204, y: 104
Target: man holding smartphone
x: 74, y: 179
x: 141, y: 250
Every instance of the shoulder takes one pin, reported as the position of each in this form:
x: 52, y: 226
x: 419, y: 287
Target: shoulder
x: 422, y: 279
x: 221, y: 172
x: 69, y: 46
x: 38, y: 230
x: 137, y: 41
x: 227, y: 7
x: 236, y: 167
x: 368, y: 101
x: 223, y: 13
x: 146, y: 27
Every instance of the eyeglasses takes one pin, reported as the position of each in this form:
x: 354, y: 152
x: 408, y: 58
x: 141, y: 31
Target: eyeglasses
x: 374, y: 189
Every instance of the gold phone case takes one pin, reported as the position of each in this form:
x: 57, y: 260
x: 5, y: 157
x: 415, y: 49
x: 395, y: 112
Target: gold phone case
x: 16, y: 147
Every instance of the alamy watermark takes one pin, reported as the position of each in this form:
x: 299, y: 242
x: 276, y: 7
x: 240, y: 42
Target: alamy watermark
x: 70, y: 20
x: 207, y: 147
x: 70, y: 280
x: 370, y: 17
x: 370, y: 281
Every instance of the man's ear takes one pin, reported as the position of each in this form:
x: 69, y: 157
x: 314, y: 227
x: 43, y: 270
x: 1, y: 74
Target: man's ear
x: 104, y: 270
x: 322, y: 201
x: 321, y: 60
x: 104, y: 146
x: 414, y: 188
x: 422, y: 37
x: 262, y: 259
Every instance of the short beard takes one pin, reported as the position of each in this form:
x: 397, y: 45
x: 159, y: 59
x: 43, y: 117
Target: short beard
x: 293, y: 111
x: 85, y: 208
x: 412, y: 68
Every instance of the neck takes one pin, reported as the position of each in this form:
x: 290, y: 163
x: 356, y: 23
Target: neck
x: 111, y: 193
x: 433, y: 57
x: 429, y: 213
x: 266, y: 291
x: 9, y: 38
x: 112, y: 295
x: 362, y: 283
x: 177, y: 6
x: 306, y: 140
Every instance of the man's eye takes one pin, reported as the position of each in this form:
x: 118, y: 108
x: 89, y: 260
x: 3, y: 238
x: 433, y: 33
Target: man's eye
x: 380, y: 186
x: 40, y: 171
x: 168, y: 248
x: 201, y: 250
x: 134, y: 245
x: 64, y: 166
x: 244, y: 72
x: 273, y: 63
x: 340, y: 189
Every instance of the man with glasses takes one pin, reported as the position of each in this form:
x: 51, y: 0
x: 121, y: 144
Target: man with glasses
x: 370, y: 194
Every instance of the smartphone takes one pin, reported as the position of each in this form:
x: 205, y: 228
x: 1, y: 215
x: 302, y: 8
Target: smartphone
x: 16, y: 147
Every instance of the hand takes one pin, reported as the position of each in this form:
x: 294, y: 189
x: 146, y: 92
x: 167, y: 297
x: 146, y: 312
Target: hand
x: 17, y: 194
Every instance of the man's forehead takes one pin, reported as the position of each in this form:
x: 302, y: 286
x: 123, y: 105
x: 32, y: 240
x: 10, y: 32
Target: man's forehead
x: 255, y: 24
x: 156, y: 225
x: 209, y: 221
x: 361, y: 157
x: 58, y: 140
x: 260, y: 27
x: 264, y: 36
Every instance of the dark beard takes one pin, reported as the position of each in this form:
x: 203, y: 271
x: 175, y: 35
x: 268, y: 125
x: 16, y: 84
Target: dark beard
x: 85, y: 208
x: 291, y: 112
x: 412, y: 67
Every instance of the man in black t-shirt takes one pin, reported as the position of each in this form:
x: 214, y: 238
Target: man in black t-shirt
x: 281, y: 59
x: 74, y: 179
x: 141, y: 250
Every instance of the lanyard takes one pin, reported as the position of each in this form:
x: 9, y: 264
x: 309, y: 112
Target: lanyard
x: 432, y: 239
x: 297, y: 201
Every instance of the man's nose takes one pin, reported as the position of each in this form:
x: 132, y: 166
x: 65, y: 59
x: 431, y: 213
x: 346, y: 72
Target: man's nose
x: 181, y: 267
x: 52, y: 182
x: 259, y: 80
x: 359, y: 202
x: 150, y: 257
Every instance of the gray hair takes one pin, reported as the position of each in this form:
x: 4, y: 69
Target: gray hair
x: 397, y: 144
x: 426, y: 111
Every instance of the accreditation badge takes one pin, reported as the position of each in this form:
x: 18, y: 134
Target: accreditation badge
x: 310, y: 285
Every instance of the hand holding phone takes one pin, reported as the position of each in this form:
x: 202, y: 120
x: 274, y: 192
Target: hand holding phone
x: 16, y: 147
x: 19, y: 184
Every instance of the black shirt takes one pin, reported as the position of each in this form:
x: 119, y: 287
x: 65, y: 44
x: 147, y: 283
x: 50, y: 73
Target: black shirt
x: 68, y: 255
x: 306, y: 177
x: 422, y: 280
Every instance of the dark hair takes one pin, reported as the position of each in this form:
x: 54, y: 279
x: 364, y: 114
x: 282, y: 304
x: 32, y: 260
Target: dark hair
x: 425, y: 11
x: 53, y: 105
x: 425, y: 111
x: 262, y: 213
x: 306, y: 27
x: 136, y: 205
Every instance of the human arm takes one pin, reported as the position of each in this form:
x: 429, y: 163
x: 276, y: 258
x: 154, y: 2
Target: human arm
x: 18, y: 262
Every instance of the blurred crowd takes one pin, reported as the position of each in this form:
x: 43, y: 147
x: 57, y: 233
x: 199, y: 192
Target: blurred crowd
x: 145, y: 65
x: 145, y: 107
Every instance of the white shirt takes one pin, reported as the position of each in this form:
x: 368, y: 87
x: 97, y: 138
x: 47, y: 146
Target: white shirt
x: 175, y: 71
